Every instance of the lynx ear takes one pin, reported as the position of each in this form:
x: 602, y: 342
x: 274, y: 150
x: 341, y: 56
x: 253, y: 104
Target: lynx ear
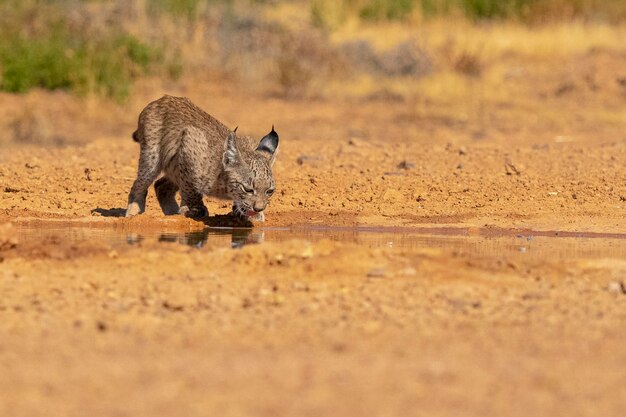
x: 269, y: 144
x: 231, y: 152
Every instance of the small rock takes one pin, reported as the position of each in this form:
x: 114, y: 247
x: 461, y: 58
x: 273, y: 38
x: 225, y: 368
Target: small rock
x: 377, y: 273
x: 307, y: 252
x: 409, y: 272
x: 355, y: 142
x: 564, y: 88
x: 264, y: 292
x: 372, y: 326
x: 616, y: 287
x: 302, y: 159
x: 406, y: 165
x: 171, y: 306
x: 510, y: 168
x: 278, y: 300
x: 392, y: 195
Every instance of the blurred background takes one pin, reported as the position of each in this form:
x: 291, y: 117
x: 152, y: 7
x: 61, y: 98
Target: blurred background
x: 449, y: 70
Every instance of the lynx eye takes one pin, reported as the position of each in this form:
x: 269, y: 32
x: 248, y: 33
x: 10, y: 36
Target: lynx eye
x: 246, y: 189
x: 269, y: 192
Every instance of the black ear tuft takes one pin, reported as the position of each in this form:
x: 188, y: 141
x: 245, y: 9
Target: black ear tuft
x: 269, y: 142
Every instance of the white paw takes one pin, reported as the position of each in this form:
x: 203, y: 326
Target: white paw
x: 133, y: 209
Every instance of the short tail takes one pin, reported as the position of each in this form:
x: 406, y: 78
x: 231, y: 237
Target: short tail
x: 136, y: 136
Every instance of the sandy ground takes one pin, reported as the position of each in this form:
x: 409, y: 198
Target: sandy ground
x: 300, y: 328
x: 296, y: 328
x: 371, y: 172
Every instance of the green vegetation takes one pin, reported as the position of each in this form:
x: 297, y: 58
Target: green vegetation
x: 39, y: 48
x: 331, y: 13
x: 386, y: 9
x: 180, y: 8
x: 59, y: 61
x: 102, y: 46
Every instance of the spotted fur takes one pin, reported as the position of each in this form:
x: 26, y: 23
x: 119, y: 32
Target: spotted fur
x: 199, y: 156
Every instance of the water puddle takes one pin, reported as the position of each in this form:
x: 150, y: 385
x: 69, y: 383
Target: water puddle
x: 482, y: 242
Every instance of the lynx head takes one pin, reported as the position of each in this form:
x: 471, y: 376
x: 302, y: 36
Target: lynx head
x: 249, y: 179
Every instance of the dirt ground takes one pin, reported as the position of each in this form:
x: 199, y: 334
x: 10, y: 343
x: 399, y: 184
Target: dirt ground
x: 299, y: 328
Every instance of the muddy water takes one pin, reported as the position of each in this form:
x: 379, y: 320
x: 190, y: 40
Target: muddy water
x: 483, y: 242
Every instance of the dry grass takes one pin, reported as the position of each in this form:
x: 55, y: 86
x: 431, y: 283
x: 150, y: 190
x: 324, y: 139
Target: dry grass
x: 506, y: 74
x: 275, y: 47
x: 503, y: 76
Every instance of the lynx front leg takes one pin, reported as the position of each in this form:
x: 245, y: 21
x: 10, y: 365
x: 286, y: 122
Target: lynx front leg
x: 191, y: 204
x: 146, y: 174
x: 166, y: 194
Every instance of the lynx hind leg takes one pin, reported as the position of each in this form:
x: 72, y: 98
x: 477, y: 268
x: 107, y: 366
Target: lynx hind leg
x: 166, y: 195
x: 191, y: 204
x: 147, y: 172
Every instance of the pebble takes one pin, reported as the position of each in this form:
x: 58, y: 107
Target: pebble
x: 377, y: 273
x: 302, y: 159
x: 406, y: 165
x: 616, y: 287
x: 307, y: 252
x: 409, y: 272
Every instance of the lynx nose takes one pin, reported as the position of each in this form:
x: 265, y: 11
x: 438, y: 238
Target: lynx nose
x: 258, y: 207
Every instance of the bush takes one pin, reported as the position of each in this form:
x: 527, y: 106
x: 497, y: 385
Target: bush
x: 387, y: 9
x: 59, y: 61
x: 332, y: 13
x: 490, y: 9
x: 181, y: 8
x: 43, y: 62
x: 39, y: 48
